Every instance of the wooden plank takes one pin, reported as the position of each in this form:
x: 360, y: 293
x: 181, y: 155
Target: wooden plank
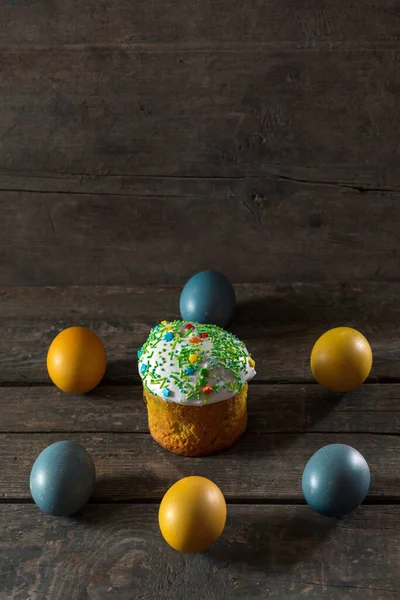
x: 272, y: 409
x: 99, y: 110
x: 259, y: 467
x: 335, y: 234
x: 278, y: 323
x: 287, y: 552
x: 271, y: 22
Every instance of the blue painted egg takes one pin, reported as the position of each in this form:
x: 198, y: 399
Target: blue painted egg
x: 208, y: 297
x: 335, y: 480
x: 62, y: 478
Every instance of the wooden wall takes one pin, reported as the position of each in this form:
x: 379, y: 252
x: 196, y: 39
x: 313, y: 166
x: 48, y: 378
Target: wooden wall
x: 142, y: 141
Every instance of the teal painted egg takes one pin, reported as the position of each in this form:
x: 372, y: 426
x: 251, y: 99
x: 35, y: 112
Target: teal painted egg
x: 208, y: 297
x: 335, y: 480
x: 62, y: 478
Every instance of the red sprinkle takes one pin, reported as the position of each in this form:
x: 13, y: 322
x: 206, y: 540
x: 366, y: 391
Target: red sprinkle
x: 194, y: 340
x: 204, y: 335
x: 207, y: 389
x: 189, y: 326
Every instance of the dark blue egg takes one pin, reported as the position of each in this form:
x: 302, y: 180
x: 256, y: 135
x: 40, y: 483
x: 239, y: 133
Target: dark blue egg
x: 208, y: 297
x: 62, y: 478
x: 335, y: 480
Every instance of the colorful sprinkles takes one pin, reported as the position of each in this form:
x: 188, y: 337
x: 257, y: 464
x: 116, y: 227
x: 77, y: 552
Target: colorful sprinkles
x: 192, y: 362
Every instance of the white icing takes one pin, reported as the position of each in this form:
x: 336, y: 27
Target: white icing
x: 163, y: 363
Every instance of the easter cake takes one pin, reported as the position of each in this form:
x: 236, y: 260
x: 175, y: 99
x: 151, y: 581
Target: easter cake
x: 195, y: 386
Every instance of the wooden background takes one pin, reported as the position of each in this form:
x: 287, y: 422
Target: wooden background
x: 143, y: 141
x: 139, y: 140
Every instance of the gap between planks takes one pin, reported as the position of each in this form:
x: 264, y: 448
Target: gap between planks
x: 230, y: 500
x: 205, y: 47
x: 146, y: 432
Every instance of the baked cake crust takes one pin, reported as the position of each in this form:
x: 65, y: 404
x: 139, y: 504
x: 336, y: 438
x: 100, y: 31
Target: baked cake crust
x: 197, y: 430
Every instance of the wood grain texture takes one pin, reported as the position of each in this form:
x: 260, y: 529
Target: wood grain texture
x: 271, y: 408
x: 117, y: 552
x: 265, y: 467
x: 363, y: 181
x: 140, y: 143
x: 278, y: 323
x: 272, y: 22
x: 164, y: 230
x: 199, y: 112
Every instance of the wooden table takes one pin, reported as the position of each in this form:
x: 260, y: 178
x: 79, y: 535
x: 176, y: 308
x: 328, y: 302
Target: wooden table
x: 273, y: 545
x: 142, y: 141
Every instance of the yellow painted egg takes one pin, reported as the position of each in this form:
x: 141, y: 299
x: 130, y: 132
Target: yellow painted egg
x: 341, y: 359
x: 76, y: 360
x: 192, y: 514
